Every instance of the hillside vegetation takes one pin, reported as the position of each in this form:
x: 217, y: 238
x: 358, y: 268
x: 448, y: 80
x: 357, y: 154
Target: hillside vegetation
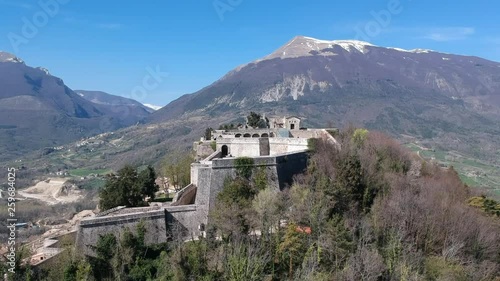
x: 369, y: 211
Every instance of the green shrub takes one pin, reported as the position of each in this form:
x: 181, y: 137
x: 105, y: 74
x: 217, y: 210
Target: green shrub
x: 359, y: 136
x: 312, y: 145
x: 244, y: 167
x: 438, y: 268
x: 260, y: 179
x: 487, y: 205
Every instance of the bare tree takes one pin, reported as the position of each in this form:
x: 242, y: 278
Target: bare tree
x: 245, y: 260
x: 268, y: 205
x: 365, y: 264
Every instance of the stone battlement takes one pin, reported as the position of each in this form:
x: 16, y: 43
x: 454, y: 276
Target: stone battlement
x: 279, y: 153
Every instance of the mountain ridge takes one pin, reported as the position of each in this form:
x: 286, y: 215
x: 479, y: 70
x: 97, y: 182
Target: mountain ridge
x: 424, y: 93
x: 38, y: 110
x: 403, y: 94
x: 408, y: 54
x: 105, y: 99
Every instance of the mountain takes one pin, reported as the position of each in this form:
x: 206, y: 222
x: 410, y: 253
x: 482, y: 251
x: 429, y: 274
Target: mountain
x: 453, y: 100
x: 111, y: 103
x: 152, y: 106
x: 38, y: 110
x: 443, y: 106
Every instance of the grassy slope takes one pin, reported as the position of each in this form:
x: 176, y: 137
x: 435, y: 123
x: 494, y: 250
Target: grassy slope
x: 473, y: 172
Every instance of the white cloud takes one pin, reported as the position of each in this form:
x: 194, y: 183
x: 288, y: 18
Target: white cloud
x: 448, y: 33
x: 85, y: 22
x: 109, y: 25
x: 434, y: 33
x: 439, y: 34
x: 17, y: 4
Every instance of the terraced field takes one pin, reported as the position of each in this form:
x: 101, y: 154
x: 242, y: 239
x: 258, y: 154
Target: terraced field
x: 82, y: 172
x: 472, y: 171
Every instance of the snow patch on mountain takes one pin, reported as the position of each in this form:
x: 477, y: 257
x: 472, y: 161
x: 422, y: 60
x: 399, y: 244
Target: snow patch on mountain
x: 44, y: 70
x: 307, y: 46
x: 415, y: 51
x: 152, y: 106
x: 8, y: 57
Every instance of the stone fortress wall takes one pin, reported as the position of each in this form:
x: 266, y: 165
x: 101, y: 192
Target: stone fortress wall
x: 280, y: 157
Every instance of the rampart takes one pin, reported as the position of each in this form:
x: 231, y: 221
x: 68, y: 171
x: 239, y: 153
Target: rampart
x: 255, y: 147
x: 160, y: 225
x: 280, y: 154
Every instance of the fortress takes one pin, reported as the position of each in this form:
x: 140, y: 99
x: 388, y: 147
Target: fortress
x: 280, y: 151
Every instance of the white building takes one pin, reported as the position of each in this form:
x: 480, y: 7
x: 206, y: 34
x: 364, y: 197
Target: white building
x: 290, y: 123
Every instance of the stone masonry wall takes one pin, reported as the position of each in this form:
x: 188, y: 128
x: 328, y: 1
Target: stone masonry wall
x: 174, y: 221
x: 91, y: 229
x: 252, y: 147
x: 249, y: 147
x: 286, y: 145
x: 182, y: 222
x: 160, y: 225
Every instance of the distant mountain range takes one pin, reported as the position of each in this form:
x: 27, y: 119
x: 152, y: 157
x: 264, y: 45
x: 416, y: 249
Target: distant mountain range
x: 445, y: 101
x: 138, y: 110
x: 453, y: 100
x: 38, y: 110
x: 152, y: 106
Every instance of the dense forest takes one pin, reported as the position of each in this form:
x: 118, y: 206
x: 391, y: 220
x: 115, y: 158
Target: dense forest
x: 365, y: 210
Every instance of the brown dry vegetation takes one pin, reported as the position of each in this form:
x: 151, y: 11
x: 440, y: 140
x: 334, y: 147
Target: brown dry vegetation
x: 368, y: 211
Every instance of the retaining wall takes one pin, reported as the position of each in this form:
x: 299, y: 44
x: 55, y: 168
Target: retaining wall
x: 167, y: 222
x: 91, y: 229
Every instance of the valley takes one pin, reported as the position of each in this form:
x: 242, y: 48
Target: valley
x: 448, y: 106
x: 472, y: 171
x: 249, y: 140
x: 406, y: 94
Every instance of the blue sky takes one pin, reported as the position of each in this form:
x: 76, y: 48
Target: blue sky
x: 113, y: 45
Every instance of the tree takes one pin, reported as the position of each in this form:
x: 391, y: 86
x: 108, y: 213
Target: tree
x: 147, y: 182
x: 350, y: 182
x: 245, y: 260
x: 268, y: 205
x: 177, y: 169
x: 127, y: 188
x: 227, y: 127
x: 105, y: 250
x: 254, y: 120
x: 335, y: 242
x: 233, y: 206
x: 359, y: 136
x: 364, y: 264
x: 208, y: 133
x: 292, y: 247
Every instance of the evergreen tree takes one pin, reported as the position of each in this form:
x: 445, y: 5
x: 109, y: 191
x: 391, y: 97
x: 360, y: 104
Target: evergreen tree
x: 127, y: 188
x: 253, y: 119
x: 147, y: 182
x: 208, y: 133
